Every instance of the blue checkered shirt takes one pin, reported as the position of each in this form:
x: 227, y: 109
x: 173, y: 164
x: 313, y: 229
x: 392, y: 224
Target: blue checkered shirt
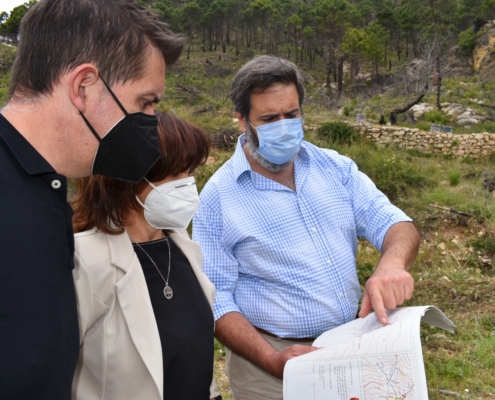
x: 287, y: 259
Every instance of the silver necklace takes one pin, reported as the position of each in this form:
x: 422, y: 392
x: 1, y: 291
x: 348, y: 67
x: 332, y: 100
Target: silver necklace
x: 167, y: 291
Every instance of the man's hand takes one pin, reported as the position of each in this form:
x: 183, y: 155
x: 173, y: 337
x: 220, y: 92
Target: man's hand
x: 278, y: 359
x: 387, y: 288
x: 391, y: 284
x: 236, y: 332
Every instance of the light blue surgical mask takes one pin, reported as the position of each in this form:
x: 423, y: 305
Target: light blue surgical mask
x: 280, y: 140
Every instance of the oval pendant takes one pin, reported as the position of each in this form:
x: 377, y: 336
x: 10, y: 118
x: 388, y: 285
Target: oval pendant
x: 168, y: 292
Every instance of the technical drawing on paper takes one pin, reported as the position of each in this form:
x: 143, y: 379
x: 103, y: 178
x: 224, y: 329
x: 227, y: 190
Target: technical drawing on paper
x: 388, y: 376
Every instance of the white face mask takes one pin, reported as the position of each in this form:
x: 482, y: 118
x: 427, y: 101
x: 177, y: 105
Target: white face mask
x: 171, y: 205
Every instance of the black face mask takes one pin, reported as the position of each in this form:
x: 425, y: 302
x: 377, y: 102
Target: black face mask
x: 129, y: 150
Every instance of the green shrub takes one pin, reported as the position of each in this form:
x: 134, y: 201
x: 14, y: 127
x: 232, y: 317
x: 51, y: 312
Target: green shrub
x: 436, y: 117
x: 205, y: 172
x: 485, y: 244
x: 467, y: 40
x: 487, y: 126
x: 393, y: 175
x: 454, y: 178
x: 338, y: 133
x: 418, y: 153
x: 422, y: 125
x: 4, y: 87
x: 364, y: 271
x: 7, y: 55
x: 396, y: 178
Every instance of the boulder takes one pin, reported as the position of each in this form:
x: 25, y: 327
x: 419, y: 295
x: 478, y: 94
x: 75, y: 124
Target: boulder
x: 484, y: 54
x: 421, y: 108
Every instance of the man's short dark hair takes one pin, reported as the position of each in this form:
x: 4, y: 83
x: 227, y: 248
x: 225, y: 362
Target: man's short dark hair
x: 260, y: 74
x: 115, y: 35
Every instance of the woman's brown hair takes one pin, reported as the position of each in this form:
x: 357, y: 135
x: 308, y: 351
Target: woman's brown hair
x: 105, y: 203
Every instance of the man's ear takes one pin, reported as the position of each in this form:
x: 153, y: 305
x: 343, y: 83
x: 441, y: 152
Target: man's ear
x: 81, y: 81
x: 242, y: 122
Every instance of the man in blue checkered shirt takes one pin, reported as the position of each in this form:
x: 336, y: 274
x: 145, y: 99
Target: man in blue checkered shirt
x: 278, y: 224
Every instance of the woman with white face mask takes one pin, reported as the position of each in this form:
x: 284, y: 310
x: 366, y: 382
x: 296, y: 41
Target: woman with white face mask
x: 144, y: 303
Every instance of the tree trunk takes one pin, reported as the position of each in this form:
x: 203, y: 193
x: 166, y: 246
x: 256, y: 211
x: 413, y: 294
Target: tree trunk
x: 329, y: 88
x: 394, y: 112
x: 295, y: 40
x: 301, y: 57
x: 407, y: 45
x: 227, y: 33
x: 340, y: 74
x: 255, y: 34
x: 236, y: 41
x: 223, y: 38
x: 210, y: 38
x: 310, y: 56
x: 334, y: 67
x: 190, y: 44
x: 439, y: 83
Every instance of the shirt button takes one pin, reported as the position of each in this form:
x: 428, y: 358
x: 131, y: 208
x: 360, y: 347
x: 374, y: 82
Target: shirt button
x: 341, y: 294
x: 329, y: 262
x: 56, y: 184
x: 314, y: 229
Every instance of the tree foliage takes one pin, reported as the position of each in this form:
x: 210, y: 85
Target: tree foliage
x: 335, y: 30
x: 343, y: 34
x: 10, y: 22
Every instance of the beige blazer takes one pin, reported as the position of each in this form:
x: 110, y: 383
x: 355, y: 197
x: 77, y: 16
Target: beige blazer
x: 120, y: 355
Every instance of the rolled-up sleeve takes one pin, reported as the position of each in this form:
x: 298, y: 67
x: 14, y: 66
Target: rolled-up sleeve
x: 374, y: 214
x: 219, y: 263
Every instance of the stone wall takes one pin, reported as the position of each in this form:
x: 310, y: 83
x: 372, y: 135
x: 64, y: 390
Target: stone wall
x: 474, y: 145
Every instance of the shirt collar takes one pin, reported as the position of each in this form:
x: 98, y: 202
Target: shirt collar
x: 240, y: 163
x: 22, y: 150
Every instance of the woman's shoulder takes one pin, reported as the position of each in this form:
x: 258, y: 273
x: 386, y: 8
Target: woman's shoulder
x: 94, y: 235
x: 182, y: 239
x: 100, y: 261
x: 88, y: 241
x: 94, y: 247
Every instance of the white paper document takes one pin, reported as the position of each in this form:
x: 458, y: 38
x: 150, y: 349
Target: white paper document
x: 364, y: 360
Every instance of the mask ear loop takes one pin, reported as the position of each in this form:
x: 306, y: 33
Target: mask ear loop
x: 90, y: 127
x: 149, y: 183
x: 141, y: 203
x: 116, y: 100
x: 113, y: 95
x: 137, y: 198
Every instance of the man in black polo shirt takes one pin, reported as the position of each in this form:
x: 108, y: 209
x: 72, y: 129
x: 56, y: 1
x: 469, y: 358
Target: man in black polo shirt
x: 83, y: 89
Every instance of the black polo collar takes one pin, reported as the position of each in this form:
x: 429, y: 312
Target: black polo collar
x: 29, y: 158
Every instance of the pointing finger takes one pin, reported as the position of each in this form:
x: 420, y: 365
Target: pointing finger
x: 365, y: 305
x: 377, y: 302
